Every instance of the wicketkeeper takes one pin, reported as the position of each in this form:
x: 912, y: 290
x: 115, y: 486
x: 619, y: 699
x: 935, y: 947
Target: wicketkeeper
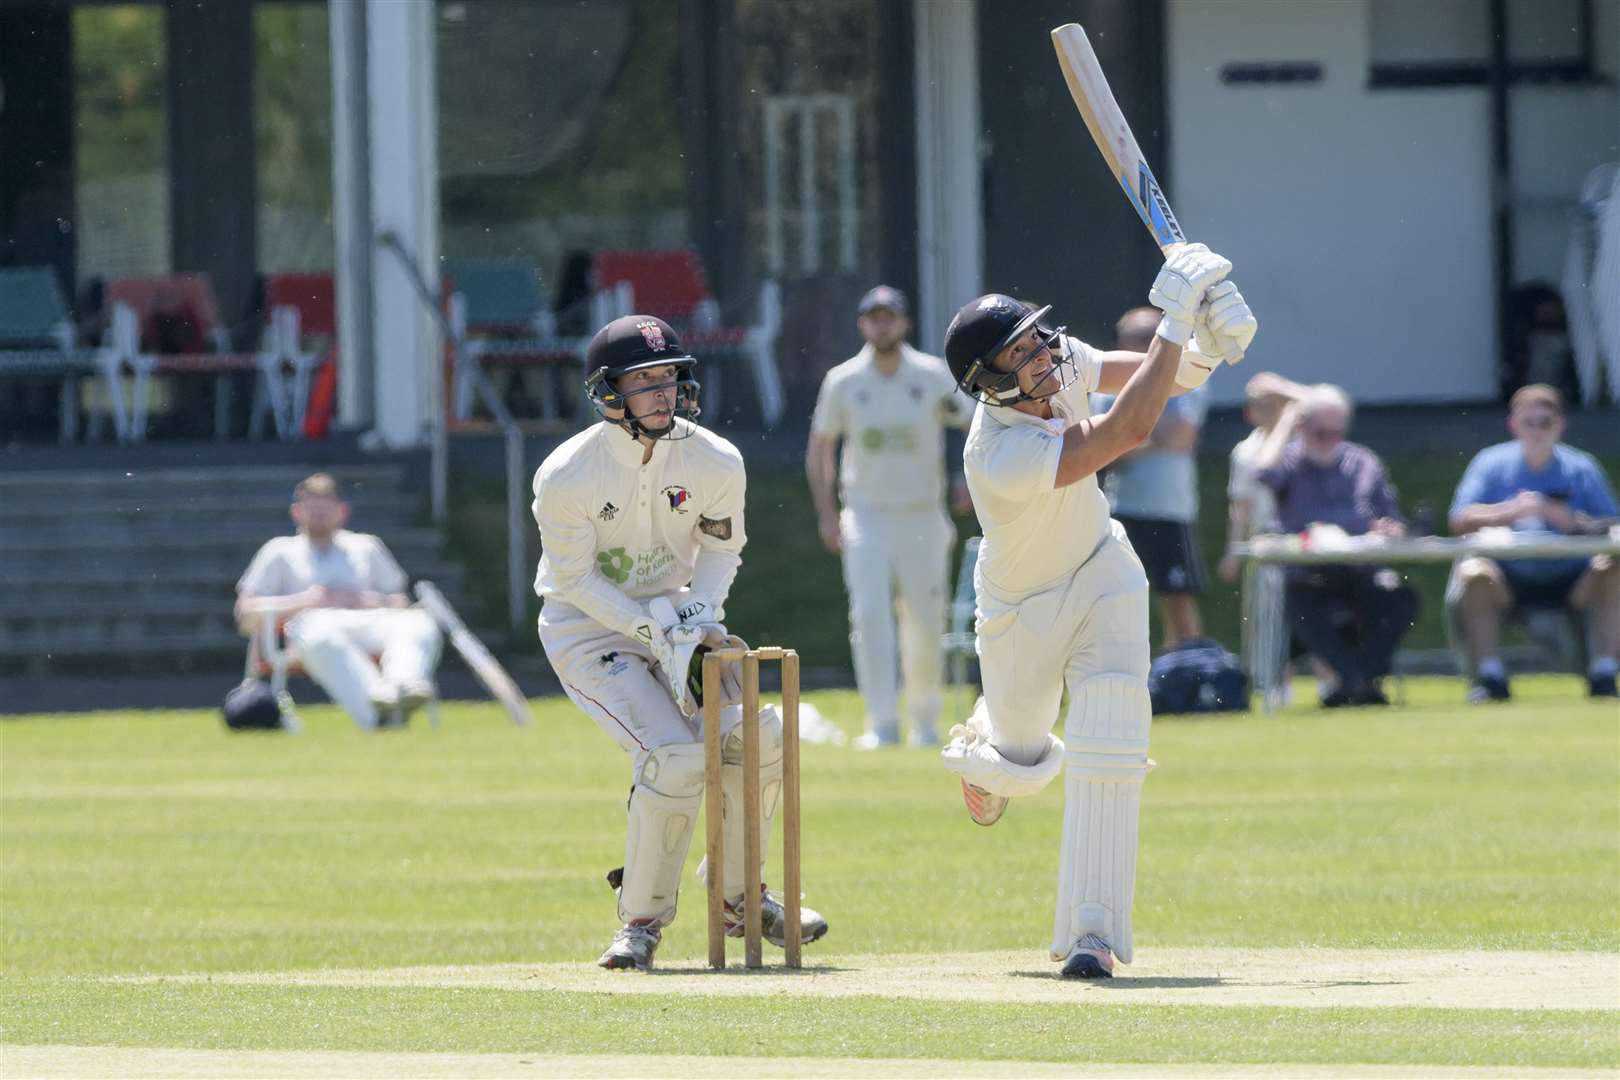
x: 1061, y: 597
x: 641, y: 528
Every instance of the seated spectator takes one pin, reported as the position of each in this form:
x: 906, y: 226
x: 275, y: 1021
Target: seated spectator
x: 1535, y: 484
x: 1351, y: 617
x: 342, y: 597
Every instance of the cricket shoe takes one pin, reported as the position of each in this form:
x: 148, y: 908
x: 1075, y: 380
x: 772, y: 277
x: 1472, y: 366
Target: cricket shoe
x: 982, y: 806
x: 773, y: 920
x: 1488, y: 688
x: 414, y: 694
x: 385, y: 699
x: 972, y: 755
x: 1091, y: 958
x: 633, y: 946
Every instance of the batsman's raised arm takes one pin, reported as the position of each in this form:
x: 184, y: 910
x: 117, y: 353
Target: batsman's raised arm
x: 1182, y: 291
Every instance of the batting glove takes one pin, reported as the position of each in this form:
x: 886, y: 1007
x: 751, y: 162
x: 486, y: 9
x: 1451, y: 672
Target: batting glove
x: 1225, y: 326
x: 1180, y: 288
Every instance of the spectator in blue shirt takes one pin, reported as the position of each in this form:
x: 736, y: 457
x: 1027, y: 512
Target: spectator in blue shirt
x: 1351, y: 617
x: 1153, y: 491
x: 1535, y: 484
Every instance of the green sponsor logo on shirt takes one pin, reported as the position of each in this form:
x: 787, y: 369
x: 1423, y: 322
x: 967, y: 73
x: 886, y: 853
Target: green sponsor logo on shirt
x: 877, y: 439
x: 614, y: 564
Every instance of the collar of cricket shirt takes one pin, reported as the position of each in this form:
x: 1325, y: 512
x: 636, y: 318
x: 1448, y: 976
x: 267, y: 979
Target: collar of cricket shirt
x: 628, y: 451
x: 1057, y: 424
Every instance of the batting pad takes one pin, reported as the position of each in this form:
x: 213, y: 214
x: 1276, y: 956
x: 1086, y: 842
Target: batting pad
x: 1107, y: 735
x: 663, y: 811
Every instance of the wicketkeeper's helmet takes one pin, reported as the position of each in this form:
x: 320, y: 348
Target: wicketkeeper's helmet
x: 634, y: 343
x: 986, y: 326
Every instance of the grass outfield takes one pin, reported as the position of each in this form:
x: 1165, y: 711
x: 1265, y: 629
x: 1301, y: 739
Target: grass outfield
x: 135, y: 845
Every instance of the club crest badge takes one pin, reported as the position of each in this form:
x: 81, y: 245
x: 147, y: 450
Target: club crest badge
x: 653, y: 335
x: 677, y: 497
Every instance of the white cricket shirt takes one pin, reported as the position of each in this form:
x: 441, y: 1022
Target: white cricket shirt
x: 1036, y: 534
x: 352, y: 562
x: 892, y: 427
x: 614, y: 531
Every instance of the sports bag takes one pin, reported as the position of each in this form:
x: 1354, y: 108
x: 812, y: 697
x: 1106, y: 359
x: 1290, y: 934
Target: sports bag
x: 1199, y: 676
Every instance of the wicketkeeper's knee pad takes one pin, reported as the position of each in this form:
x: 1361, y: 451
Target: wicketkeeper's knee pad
x: 663, y: 810
x: 731, y: 786
x: 1107, y: 736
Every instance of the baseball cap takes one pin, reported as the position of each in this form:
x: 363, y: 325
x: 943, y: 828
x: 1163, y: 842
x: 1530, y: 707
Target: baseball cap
x: 883, y: 296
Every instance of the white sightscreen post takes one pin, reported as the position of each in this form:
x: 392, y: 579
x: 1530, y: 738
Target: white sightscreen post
x: 950, y: 225
x: 351, y: 212
x: 404, y: 200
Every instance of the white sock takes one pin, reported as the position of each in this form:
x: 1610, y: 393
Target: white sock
x: 1491, y: 668
x: 1604, y: 666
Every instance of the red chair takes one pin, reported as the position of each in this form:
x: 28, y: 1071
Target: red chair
x: 673, y: 286
x: 171, y: 326
x: 299, y: 338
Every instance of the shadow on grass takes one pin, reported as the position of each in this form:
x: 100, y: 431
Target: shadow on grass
x: 737, y: 970
x: 1150, y: 983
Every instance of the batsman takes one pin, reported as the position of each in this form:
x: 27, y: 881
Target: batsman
x: 641, y: 529
x: 1061, y: 598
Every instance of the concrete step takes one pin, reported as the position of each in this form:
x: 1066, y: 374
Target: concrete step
x: 157, y: 483
x: 110, y: 638
x: 365, y: 507
x: 117, y: 587
x: 214, y: 641
x: 169, y: 530
x: 182, y: 537
x: 44, y: 560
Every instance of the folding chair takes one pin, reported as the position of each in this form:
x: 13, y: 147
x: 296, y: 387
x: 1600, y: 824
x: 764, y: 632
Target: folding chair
x: 169, y: 326
x: 37, y: 338
x: 302, y: 308
x: 1560, y: 633
x: 673, y: 286
x: 500, y: 320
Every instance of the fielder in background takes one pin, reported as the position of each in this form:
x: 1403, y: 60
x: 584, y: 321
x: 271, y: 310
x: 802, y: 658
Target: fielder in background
x: 1535, y: 484
x: 641, y: 530
x: 1153, y: 492
x: 342, y: 599
x: 889, y: 405
x: 1061, y: 598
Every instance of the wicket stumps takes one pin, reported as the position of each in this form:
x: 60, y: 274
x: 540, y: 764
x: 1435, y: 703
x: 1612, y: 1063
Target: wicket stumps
x: 715, y: 799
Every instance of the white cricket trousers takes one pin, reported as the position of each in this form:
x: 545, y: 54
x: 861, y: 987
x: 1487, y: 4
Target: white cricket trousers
x: 1095, y: 623
x: 616, y: 682
x: 337, y: 646
x: 897, y: 555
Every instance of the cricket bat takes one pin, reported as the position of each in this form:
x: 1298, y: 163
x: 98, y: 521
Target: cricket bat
x: 483, y: 663
x: 1089, y: 88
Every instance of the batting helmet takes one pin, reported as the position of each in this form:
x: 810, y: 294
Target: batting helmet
x: 983, y: 328
x: 637, y: 343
